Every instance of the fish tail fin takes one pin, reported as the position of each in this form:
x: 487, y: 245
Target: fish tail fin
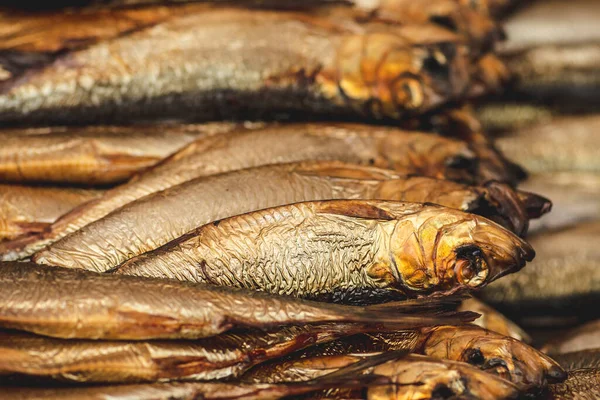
x: 23, y: 246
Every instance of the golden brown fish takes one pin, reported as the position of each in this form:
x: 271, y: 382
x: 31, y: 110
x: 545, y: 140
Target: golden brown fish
x: 167, y: 391
x: 583, y: 384
x: 404, y: 151
x: 184, y: 207
x: 584, y: 337
x: 26, y: 210
x: 189, y: 67
x: 94, y: 155
x: 225, y: 356
x: 69, y: 303
x: 342, y: 251
x: 565, y: 276
x: 535, y: 147
x: 499, y: 355
x: 492, y: 320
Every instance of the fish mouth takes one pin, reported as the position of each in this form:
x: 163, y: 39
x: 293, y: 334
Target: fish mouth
x: 535, y: 205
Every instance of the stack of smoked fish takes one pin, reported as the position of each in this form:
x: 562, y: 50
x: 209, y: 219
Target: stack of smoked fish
x: 265, y: 199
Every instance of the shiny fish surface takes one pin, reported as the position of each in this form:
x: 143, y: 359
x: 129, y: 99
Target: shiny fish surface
x: 25, y: 210
x: 224, y: 356
x: 564, y: 276
x: 162, y: 391
x: 404, y: 151
x: 188, y: 67
x: 94, y: 155
x: 342, y: 250
x: 584, y: 337
x: 184, y: 207
x: 77, y: 304
x: 492, y: 320
x: 499, y: 355
x: 535, y: 148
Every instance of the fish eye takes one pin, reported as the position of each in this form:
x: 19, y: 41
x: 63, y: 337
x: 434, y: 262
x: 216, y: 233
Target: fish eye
x: 474, y: 357
x: 441, y: 392
x: 470, y: 268
x: 462, y: 162
x: 445, y: 21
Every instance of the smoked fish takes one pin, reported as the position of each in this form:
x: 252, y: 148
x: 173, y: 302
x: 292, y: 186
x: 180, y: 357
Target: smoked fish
x: 495, y: 354
x: 128, y: 232
x: 92, y: 155
x: 25, y: 209
x: 578, y: 359
x: 582, y: 384
x: 342, y: 251
x: 189, y: 67
x: 221, y: 357
x: 564, y: 277
x: 403, y: 151
x: 78, y: 304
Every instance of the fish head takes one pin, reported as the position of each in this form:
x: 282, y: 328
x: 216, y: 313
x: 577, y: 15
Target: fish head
x: 419, y: 377
x: 442, y: 250
x: 430, y: 155
x: 493, y: 353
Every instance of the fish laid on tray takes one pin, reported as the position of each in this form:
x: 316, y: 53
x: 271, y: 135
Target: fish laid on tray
x: 189, y: 67
x: 27, y: 210
x: 342, y: 251
x: 92, y: 155
x: 77, y: 304
x: 403, y: 151
x: 508, y: 358
x: 182, y: 208
x: 565, y: 276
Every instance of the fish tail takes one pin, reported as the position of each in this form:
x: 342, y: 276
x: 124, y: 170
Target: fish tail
x: 23, y: 246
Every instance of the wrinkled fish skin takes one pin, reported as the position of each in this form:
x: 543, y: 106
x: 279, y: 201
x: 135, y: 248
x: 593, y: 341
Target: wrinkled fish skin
x: 184, y: 207
x: 582, y: 384
x: 569, y: 256
x: 188, y: 67
x: 508, y: 358
x: 225, y: 356
x: 584, y: 337
x: 99, y: 306
x: 25, y: 210
x: 404, y: 151
x: 161, y: 391
x: 94, y: 155
x: 492, y: 320
x: 535, y: 147
x: 341, y: 250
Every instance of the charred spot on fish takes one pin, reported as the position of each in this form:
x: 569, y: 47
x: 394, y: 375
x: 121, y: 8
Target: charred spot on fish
x: 216, y: 223
x: 441, y: 392
x: 474, y: 357
x: 445, y: 21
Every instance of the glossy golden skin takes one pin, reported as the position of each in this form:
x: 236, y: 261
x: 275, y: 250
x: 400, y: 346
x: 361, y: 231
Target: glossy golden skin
x: 161, y: 391
x: 410, y: 377
x: 225, y: 356
x: 486, y: 350
x: 94, y: 155
x: 188, y: 66
x: 494, y: 321
x: 406, y: 152
x: 77, y: 304
x: 495, y: 354
x: 340, y: 250
x: 184, y: 207
x: 25, y: 210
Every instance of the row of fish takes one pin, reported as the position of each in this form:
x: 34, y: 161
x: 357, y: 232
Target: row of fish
x: 181, y: 225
